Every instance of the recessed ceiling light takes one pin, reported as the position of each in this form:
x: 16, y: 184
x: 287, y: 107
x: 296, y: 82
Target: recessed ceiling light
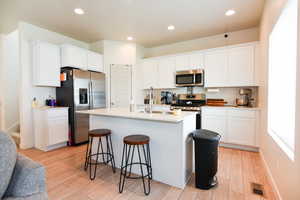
x: 230, y: 12
x: 171, y: 27
x: 79, y: 11
x: 129, y: 38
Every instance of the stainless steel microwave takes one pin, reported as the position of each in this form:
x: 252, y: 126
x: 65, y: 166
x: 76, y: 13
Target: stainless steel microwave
x: 190, y: 78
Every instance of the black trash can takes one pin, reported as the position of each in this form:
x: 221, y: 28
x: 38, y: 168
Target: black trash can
x: 206, y: 158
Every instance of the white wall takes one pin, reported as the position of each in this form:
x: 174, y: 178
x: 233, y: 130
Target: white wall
x: 97, y: 46
x: 243, y: 36
x: 29, y: 33
x: 285, y: 172
x: 138, y: 81
x: 1, y: 82
x: 11, y: 82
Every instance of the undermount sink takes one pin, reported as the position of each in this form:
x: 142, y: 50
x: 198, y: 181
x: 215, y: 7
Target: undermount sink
x: 158, y: 112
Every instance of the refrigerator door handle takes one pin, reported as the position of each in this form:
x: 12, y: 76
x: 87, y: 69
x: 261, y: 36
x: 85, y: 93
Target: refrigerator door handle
x: 92, y: 96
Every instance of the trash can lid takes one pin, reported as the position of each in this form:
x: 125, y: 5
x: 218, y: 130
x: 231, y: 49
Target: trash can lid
x: 206, y: 134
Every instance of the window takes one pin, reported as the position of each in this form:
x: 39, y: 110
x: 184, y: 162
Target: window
x: 282, y: 79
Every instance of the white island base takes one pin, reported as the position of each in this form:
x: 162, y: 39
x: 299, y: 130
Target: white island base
x: 170, y: 145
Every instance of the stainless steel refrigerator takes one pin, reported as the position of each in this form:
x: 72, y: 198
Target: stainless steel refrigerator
x: 80, y: 90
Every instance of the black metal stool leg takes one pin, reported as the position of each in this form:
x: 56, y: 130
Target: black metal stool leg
x: 86, y: 155
x: 121, y: 172
x: 100, y: 140
x: 97, y: 157
x: 131, y: 160
x: 146, y: 156
x: 125, y: 172
x: 141, y: 167
x: 112, y: 155
x: 149, y: 159
x: 90, y: 156
x: 109, y: 156
x: 107, y: 150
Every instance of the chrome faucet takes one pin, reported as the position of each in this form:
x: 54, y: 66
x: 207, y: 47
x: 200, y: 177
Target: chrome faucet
x: 150, y: 99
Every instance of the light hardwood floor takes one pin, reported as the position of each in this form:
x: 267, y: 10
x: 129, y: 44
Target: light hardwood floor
x: 66, y: 179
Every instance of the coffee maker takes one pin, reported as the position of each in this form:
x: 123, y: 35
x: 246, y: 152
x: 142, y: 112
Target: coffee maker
x: 166, y: 97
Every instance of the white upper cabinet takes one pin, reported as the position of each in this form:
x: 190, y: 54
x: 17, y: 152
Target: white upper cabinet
x: 257, y: 64
x: 196, y: 61
x: 241, y: 66
x: 189, y: 61
x: 231, y: 67
x: 95, y: 61
x: 150, y: 74
x: 73, y: 56
x: 46, y: 64
x: 166, y: 73
x: 182, y: 62
x: 216, y: 66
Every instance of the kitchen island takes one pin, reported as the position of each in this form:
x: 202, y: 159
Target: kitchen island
x: 170, y: 145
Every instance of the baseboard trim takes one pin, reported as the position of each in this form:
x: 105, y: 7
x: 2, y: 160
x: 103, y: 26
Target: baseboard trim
x: 270, y: 177
x: 52, y: 147
x: 239, y: 147
x: 13, y: 128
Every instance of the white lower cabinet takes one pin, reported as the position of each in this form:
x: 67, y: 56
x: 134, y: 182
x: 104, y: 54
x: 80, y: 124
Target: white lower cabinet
x: 215, y: 122
x: 236, y: 126
x: 51, y: 128
x: 241, y: 131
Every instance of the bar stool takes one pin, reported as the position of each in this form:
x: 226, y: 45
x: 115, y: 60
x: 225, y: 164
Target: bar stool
x: 138, y: 141
x: 109, y: 154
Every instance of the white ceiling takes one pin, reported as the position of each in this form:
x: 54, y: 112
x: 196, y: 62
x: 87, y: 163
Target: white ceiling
x: 145, y: 20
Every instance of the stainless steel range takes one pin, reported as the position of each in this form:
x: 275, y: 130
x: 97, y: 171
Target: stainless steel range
x: 189, y: 102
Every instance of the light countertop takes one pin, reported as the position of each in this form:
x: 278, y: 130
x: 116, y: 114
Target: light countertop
x: 234, y: 107
x: 50, y: 107
x: 125, y: 113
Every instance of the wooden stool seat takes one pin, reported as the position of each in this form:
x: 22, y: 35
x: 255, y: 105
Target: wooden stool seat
x: 136, y: 139
x: 99, y: 132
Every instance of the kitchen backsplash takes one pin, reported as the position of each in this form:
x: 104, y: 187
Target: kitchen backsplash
x: 228, y: 94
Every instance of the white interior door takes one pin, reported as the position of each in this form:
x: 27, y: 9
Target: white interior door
x: 120, y: 85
